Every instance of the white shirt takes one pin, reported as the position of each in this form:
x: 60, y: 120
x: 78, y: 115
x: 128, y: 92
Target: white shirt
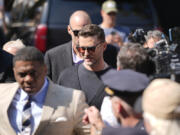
x: 107, y: 113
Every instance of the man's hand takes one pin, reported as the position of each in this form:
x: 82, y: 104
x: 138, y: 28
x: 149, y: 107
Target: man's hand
x: 109, y: 39
x: 92, y: 116
x: 114, y: 39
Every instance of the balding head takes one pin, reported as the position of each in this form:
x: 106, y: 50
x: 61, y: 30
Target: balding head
x: 77, y: 21
x: 80, y: 18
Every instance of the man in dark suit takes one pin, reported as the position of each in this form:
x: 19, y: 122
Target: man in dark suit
x: 6, y: 70
x: 51, y: 109
x: 66, y: 55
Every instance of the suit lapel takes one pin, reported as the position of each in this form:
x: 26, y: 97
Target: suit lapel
x: 68, y: 54
x: 47, y: 111
x: 7, y: 101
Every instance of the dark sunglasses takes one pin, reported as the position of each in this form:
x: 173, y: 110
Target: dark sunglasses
x: 112, y: 13
x: 75, y: 32
x: 90, y: 49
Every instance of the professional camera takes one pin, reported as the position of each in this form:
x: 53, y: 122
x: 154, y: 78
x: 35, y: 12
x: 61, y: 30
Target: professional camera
x: 167, y: 57
x: 160, y: 48
x: 137, y: 36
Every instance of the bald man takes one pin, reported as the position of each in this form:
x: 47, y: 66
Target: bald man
x: 66, y: 55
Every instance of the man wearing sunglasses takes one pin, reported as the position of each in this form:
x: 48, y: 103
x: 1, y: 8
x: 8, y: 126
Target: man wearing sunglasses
x: 66, y: 55
x: 85, y: 76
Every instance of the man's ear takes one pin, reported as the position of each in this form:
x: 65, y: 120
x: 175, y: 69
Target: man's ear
x: 102, y: 12
x: 119, y: 108
x: 69, y: 30
x: 104, y: 46
x: 14, y: 71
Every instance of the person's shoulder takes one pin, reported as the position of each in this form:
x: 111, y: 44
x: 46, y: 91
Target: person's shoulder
x: 59, y: 48
x: 5, y: 54
x: 6, y: 87
x: 6, y: 60
x: 122, y: 131
x: 62, y: 91
x: 112, y: 48
x: 69, y: 70
x: 124, y: 29
x: 7, y: 91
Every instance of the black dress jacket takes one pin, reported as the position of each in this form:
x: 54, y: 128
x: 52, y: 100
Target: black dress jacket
x: 6, y: 68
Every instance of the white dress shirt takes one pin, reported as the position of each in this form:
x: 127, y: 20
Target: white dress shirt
x: 107, y: 113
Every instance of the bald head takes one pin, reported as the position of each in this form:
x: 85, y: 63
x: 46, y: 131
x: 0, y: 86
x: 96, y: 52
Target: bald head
x: 79, y: 18
x: 77, y: 21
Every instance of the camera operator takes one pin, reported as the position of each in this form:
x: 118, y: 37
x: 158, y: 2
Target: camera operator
x: 152, y: 37
x: 146, y: 39
x: 156, y: 46
x: 164, y: 53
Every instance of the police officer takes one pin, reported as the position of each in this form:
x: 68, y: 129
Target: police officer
x: 125, y: 88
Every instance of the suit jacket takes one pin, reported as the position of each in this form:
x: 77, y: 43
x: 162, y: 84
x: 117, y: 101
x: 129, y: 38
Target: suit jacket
x: 6, y: 68
x: 62, y: 111
x: 57, y: 59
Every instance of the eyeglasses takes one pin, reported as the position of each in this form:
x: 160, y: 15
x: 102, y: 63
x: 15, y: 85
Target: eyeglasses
x: 90, y: 49
x: 75, y: 32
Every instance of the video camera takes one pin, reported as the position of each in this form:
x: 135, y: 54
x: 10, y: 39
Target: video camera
x: 166, y: 56
x: 137, y: 36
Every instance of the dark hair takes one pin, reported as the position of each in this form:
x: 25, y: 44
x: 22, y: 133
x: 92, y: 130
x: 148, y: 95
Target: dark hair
x: 131, y: 99
x: 134, y: 56
x: 92, y: 30
x: 29, y: 54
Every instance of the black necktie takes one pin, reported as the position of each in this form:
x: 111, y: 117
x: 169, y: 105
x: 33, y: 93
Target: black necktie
x: 26, y: 117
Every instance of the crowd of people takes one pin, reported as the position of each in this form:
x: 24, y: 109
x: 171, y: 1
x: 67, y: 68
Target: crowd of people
x: 100, y: 82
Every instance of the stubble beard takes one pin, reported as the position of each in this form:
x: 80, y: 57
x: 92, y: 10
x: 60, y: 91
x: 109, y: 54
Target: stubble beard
x: 91, y: 64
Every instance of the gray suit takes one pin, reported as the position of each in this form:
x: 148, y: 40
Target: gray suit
x: 62, y: 111
x: 57, y: 59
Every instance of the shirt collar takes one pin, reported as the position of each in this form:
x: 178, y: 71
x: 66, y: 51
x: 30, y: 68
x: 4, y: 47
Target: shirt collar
x: 40, y: 96
x: 76, y: 59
